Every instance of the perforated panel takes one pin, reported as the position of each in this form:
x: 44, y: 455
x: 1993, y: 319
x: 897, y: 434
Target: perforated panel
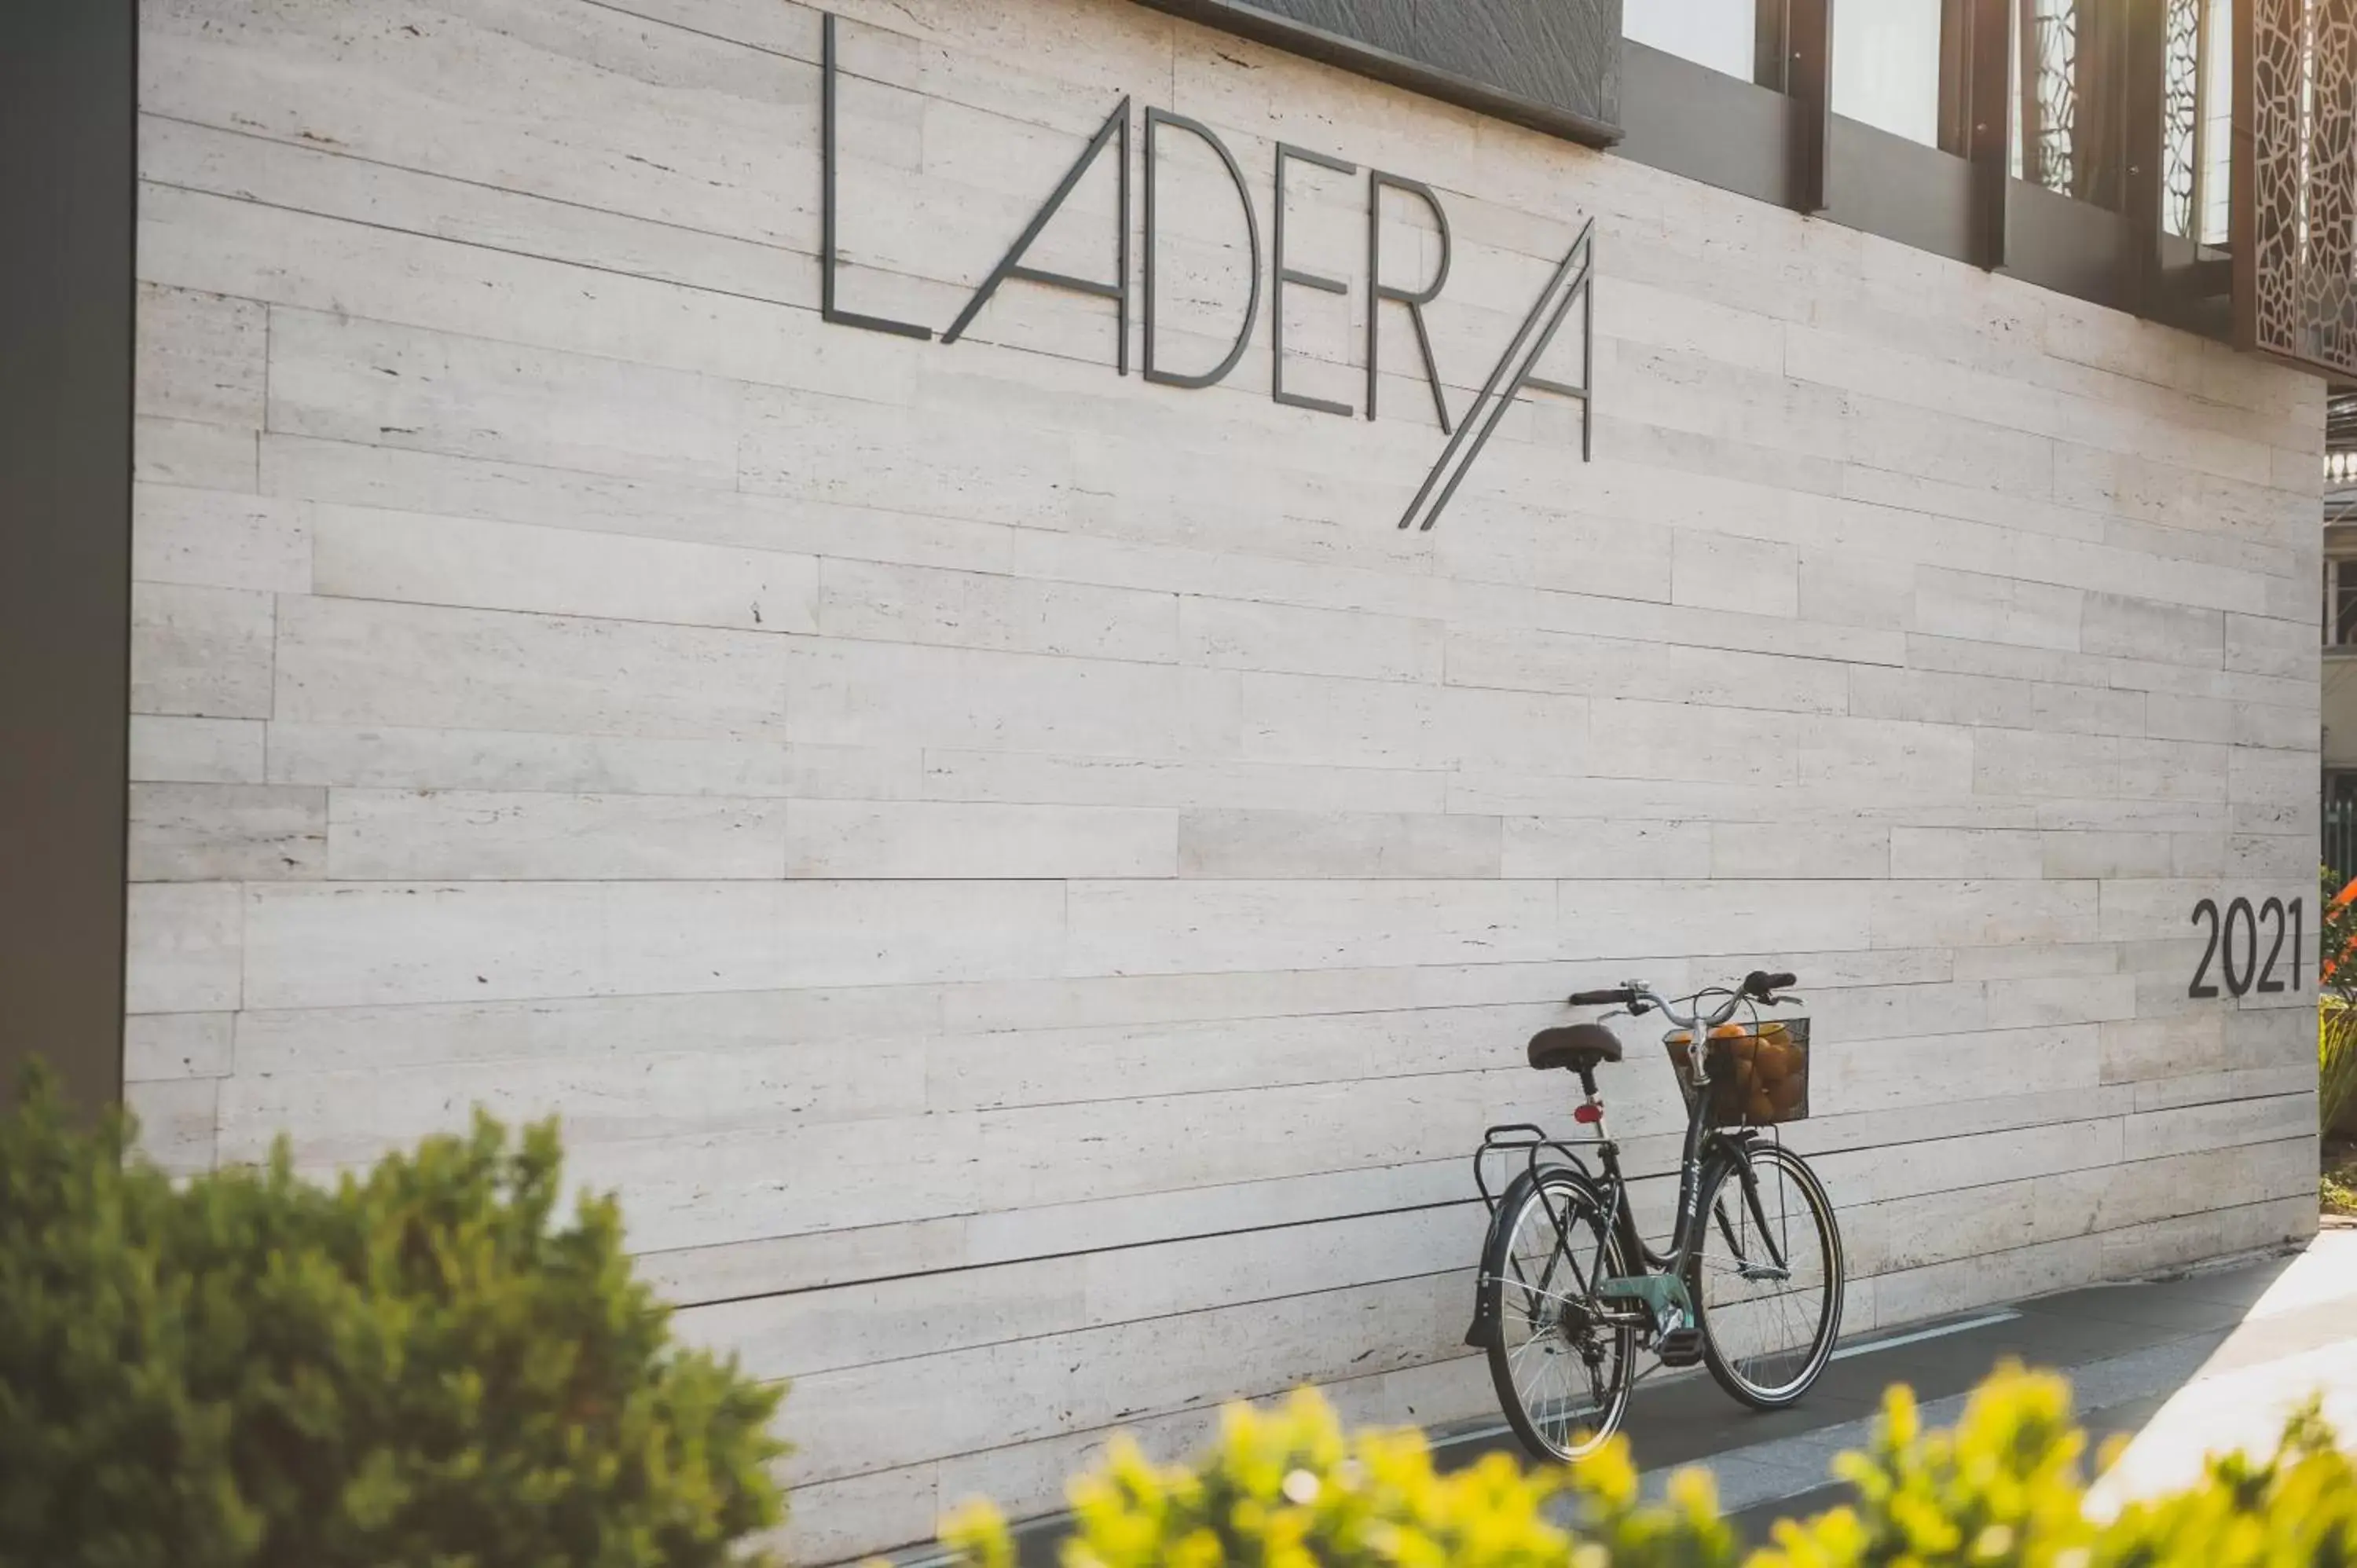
x: 2296, y: 238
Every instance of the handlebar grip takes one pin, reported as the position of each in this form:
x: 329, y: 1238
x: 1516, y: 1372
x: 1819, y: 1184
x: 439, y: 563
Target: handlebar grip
x: 1620, y: 995
x: 1760, y: 984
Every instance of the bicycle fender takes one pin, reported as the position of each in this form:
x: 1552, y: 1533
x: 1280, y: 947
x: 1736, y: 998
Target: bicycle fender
x: 1484, y: 1326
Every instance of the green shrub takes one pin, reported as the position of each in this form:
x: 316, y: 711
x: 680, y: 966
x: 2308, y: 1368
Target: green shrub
x: 2336, y: 1062
x: 411, y: 1368
x: 1288, y: 1489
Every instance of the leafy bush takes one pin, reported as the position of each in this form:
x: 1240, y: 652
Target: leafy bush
x: 2003, y: 1487
x: 411, y: 1368
x: 2003, y: 1490
x: 2336, y: 1063
x: 1287, y: 1488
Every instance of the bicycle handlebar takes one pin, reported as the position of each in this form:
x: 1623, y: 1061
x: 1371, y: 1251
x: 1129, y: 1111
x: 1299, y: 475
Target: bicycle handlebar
x: 1760, y: 985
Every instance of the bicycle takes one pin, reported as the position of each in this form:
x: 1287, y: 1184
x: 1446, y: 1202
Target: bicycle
x: 1751, y: 1283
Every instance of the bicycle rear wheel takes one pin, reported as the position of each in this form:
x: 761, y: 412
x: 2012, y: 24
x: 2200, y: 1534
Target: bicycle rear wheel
x: 1563, y: 1372
x: 1767, y: 1277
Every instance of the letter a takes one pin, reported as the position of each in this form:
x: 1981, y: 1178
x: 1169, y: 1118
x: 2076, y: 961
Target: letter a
x: 1010, y: 265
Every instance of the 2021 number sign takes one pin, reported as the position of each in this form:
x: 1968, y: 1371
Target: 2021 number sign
x: 2234, y: 936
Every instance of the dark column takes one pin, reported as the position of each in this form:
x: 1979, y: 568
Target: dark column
x: 2142, y: 42
x: 67, y: 139
x: 1987, y: 127
x: 1809, y: 80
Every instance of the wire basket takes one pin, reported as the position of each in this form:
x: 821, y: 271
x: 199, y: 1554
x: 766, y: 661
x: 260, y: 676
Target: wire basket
x: 1759, y: 1073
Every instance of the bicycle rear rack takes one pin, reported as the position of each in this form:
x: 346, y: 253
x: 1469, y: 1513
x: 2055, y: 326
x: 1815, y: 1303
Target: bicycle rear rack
x: 1507, y: 1139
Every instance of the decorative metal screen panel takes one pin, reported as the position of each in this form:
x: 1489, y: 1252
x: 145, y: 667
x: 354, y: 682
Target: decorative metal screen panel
x: 2296, y: 239
x: 2046, y: 87
x: 2181, y: 128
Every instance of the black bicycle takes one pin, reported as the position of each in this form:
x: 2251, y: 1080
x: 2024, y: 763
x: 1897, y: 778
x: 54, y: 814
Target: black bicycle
x: 1569, y: 1292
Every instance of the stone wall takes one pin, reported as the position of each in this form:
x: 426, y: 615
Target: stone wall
x: 1026, y: 880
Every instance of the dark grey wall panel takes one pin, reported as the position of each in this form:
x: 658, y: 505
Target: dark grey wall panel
x: 2074, y: 247
x: 1899, y: 189
x: 1694, y: 122
x: 66, y: 298
x: 1554, y: 65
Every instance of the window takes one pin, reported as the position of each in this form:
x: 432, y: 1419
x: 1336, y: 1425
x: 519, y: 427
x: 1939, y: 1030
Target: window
x: 2045, y: 95
x: 2217, y: 122
x: 2067, y: 135
x: 1721, y: 34
x: 2340, y: 602
x: 2197, y: 119
x: 1887, y: 66
x: 2339, y: 846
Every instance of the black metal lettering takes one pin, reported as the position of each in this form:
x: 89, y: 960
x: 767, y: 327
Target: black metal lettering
x: 2268, y: 980
x: 1154, y: 120
x: 2238, y: 981
x: 826, y: 161
x: 1415, y: 300
x: 1010, y: 265
x: 2207, y: 906
x: 1284, y: 275
x: 1573, y: 277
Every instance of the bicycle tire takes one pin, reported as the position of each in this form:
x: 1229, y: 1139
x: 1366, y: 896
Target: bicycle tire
x: 1732, y: 1230
x: 1520, y: 1369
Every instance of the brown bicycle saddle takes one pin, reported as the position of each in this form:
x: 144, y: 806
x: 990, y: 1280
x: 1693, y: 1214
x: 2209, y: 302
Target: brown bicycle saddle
x: 1575, y: 1045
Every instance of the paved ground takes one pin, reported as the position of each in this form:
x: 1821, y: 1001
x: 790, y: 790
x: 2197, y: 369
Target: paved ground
x: 2212, y: 1359
x: 2209, y: 1359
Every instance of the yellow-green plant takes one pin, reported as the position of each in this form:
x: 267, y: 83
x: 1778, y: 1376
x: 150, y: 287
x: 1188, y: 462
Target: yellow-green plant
x: 2336, y: 1061
x: 1287, y: 1488
x: 2003, y: 1486
x: 2003, y: 1489
x: 2299, y: 1507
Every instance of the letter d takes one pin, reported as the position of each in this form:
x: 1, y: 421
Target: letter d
x: 1154, y: 120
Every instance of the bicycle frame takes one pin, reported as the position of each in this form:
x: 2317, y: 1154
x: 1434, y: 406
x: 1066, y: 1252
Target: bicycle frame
x: 1658, y: 1283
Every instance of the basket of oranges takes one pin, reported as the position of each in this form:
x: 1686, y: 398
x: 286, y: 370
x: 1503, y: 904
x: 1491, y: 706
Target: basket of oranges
x: 1759, y: 1072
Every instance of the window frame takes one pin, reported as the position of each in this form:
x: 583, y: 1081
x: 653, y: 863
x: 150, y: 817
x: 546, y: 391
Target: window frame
x: 1776, y: 138
x: 2337, y: 622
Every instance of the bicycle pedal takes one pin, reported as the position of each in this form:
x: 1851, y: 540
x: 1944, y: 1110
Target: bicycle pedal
x: 1680, y: 1347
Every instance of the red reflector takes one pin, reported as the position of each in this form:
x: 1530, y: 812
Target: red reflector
x: 1589, y: 1113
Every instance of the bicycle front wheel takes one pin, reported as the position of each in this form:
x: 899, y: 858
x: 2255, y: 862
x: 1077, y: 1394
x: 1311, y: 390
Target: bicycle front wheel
x: 1767, y: 1275
x: 1562, y: 1369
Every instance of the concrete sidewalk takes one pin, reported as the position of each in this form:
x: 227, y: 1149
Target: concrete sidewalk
x: 2207, y: 1361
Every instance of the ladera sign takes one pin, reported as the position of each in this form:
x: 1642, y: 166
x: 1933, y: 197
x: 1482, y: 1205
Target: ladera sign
x: 1516, y: 369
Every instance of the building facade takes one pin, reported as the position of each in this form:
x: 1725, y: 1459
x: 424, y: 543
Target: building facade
x: 1007, y: 647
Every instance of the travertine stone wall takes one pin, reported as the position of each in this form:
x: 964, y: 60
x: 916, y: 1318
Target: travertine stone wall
x: 1026, y: 881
